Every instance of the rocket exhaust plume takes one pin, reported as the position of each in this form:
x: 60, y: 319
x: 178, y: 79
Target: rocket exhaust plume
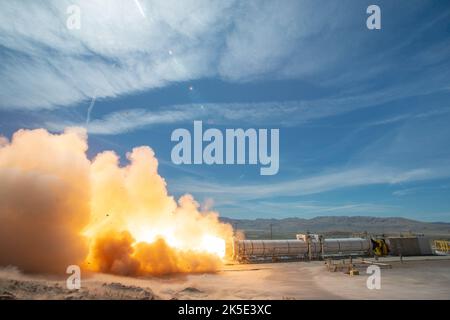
x: 59, y: 208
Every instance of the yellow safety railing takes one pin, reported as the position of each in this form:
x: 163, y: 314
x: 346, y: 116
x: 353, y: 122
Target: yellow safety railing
x: 442, y: 246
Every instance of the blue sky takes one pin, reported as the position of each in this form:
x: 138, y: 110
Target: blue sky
x: 363, y: 114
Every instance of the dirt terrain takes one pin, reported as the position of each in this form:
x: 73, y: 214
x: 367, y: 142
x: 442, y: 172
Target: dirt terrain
x: 415, y: 278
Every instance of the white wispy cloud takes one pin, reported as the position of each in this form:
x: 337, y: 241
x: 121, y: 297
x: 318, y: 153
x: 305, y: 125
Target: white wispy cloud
x: 410, y: 116
x: 120, y: 51
x: 283, y: 113
x: 326, y: 181
x: 129, y: 120
x: 416, y: 190
x: 124, y: 121
x: 117, y: 51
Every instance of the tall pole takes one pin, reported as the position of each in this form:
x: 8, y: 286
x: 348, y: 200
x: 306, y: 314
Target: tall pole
x: 270, y: 231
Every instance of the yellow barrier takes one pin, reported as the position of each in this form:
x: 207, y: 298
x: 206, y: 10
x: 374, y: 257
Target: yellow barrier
x: 442, y: 246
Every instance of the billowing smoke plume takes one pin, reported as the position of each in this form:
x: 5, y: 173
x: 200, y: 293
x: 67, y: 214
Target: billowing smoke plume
x: 58, y: 208
x: 44, y: 200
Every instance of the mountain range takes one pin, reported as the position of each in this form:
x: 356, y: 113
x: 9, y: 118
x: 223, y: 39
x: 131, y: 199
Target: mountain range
x: 337, y: 226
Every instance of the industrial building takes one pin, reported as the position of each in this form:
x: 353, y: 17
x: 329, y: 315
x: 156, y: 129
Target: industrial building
x: 315, y: 246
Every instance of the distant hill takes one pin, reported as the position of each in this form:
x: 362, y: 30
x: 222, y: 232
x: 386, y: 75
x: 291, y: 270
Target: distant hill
x: 337, y: 226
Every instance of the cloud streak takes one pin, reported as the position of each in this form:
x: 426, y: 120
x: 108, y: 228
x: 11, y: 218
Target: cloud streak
x: 324, y: 182
x: 284, y: 113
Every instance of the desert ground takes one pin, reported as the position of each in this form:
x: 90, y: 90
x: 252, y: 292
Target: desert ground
x: 414, y: 278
